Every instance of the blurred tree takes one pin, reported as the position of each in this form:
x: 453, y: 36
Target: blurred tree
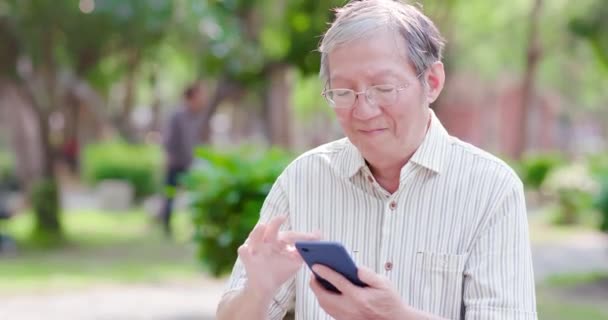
x: 533, y: 57
x: 54, y: 48
x: 593, y: 27
x: 133, y: 33
x: 253, y: 45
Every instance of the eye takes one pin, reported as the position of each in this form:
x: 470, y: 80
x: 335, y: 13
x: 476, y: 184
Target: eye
x: 341, y: 92
x: 385, y: 88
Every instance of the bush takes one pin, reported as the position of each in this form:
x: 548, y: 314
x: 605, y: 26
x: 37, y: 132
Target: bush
x: 227, y: 190
x: 599, y: 169
x: 573, y: 188
x: 601, y: 203
x: 534, y: 169
x: 140, y: 165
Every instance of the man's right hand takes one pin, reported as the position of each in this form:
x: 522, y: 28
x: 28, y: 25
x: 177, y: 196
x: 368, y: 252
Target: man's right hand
x: 269, y: 256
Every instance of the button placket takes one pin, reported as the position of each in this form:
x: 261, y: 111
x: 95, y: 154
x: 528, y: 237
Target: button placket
x: 385, y: 263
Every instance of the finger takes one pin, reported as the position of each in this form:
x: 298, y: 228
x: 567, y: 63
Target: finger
x: 290, y: 237
x: 371, y: 278
x: 243, y: 252
x: 320, y: 292
x: 315, y: 286
x: 338, y: 280
x: 272, y: 230
x: 257, y: 235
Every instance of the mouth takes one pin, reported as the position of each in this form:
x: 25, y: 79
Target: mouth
x: 372, y: 132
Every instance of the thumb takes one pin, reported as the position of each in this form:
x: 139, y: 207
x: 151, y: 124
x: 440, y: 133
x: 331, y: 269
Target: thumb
x: 371, y: 278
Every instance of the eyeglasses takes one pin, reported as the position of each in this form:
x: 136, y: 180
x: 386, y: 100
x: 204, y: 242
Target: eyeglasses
x: 382, y: 94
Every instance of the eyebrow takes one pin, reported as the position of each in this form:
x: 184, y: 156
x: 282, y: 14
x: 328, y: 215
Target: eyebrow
x: 382, y: 73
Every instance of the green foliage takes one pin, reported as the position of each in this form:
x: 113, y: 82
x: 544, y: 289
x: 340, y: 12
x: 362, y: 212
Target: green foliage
x: 244, y: 39
x: 599, y: 167
x: 601, y: 203
x: 572, y: 186
x: 534, y: 168
x: 7, y: 169
x: 140, y: 165
x: 307, y: 100
x: 593, y: 28
x: 228, y: 191
x: 100, y: 45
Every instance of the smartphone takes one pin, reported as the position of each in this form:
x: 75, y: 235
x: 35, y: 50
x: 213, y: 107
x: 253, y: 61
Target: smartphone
x: 332, y: 255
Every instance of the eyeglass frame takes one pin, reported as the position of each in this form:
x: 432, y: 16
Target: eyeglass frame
x: 397, y: 88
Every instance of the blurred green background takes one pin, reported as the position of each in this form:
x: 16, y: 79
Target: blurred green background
x: 87, y: 86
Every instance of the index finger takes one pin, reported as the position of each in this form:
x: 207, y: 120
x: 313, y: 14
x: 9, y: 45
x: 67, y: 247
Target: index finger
x: 338, y: 280
x: 272, y: 230
x: 290, y: 237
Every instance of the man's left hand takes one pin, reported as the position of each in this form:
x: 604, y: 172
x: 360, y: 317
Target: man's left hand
x: 377, y: 301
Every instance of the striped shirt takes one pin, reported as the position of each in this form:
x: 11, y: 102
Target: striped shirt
x: 453, y: 239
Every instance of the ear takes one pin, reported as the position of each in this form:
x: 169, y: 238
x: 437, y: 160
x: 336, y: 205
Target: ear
x: 435, y: 78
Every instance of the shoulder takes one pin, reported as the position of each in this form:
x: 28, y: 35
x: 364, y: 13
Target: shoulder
x: 482, y: 164
x: 322, y: 158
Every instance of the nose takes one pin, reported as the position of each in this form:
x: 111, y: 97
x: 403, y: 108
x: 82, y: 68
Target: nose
x: 364, y: 110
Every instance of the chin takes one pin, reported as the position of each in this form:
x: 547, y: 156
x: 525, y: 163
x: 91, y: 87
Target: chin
x: 371, y: 150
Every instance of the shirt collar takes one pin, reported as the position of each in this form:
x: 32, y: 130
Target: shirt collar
x: 431, y: 154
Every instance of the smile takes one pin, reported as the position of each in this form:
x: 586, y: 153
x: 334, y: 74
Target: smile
x: 373, y: 131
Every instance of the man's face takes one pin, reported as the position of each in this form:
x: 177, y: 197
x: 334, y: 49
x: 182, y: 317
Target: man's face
x: 380, y: 132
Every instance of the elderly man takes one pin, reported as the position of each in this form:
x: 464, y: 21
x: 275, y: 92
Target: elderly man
x: 437, y: 226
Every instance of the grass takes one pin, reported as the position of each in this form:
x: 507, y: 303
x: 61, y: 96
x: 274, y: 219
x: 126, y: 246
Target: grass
x: 127, y: 247
x: 549, y: 308
x: 559, y: 297
x: 574, y: 279
x: 101, y: 248
x: 568, y: 296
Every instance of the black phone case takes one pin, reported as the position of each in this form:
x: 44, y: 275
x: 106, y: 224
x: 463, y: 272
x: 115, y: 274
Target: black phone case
x: 332, y: 255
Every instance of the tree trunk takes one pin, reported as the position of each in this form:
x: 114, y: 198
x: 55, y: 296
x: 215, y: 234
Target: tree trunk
x: 533, y: 57
x: 124, y: 121
x: 70, y: 139
x: 45, y: 192
x: 278, y: 107
x: 45, y: 195
x: 23, y: 134
x: 225, y: 89
x: 155, y: 124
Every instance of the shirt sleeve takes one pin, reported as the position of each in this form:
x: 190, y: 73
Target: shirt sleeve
x: 275, y: 204
x: 499, y: 278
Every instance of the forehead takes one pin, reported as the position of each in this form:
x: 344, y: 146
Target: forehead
x: 383, y: 54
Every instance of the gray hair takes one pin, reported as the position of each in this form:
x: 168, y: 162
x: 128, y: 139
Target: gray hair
x: 358, y: 19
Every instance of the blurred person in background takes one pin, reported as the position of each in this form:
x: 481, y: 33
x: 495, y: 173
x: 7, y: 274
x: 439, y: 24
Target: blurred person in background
x: 439, y: 226
x: 183, y: 132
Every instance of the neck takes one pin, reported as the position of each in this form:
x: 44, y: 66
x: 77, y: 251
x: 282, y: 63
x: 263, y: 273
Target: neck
x: 388, y: 172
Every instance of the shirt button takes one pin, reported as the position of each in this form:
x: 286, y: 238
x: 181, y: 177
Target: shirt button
x: 370, y: 179
x: 388, y: 266
x: 393, y: 205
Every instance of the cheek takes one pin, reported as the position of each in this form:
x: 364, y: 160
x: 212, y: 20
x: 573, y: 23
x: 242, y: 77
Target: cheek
x: 343, y: 117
